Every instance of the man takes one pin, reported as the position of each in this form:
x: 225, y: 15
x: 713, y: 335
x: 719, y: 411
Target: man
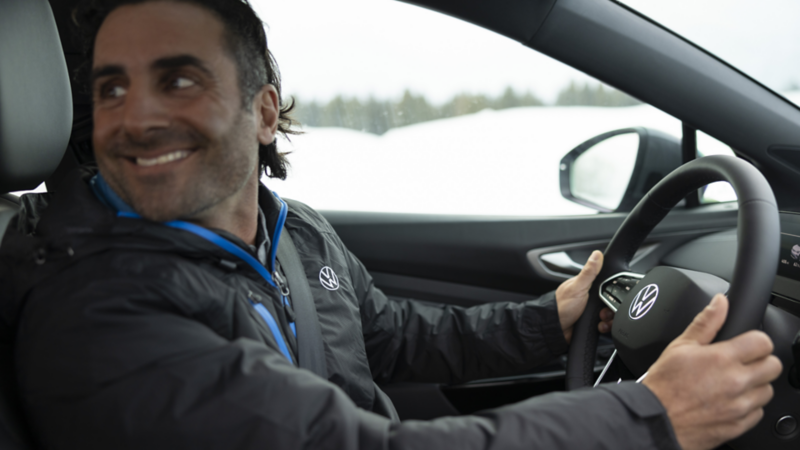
x: 148, y: 319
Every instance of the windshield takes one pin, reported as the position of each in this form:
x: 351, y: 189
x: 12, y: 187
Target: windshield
x: 762, y: 39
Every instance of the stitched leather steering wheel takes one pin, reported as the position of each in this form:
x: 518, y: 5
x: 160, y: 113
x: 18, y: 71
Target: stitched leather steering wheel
x: 654, y: 309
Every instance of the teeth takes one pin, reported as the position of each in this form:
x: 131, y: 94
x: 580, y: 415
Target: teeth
x: 163, y: 159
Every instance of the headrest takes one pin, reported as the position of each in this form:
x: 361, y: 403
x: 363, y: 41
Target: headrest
x: 35, y: 96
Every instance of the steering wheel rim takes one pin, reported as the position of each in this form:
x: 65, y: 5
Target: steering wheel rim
x: 756, y: 260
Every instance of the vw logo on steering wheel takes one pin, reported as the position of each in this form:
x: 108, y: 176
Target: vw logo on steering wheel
x: 643, y: 301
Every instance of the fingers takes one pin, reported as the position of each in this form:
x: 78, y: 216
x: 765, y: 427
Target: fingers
x: 606, y: 320
x: 750, y: 346
x: 605, y: 327
x: 707, y: 323
x: 757, y: 397
x: 750, y: 420
x: 765, y: 370
x: 749, y: 401
x: 733, y: 429
x: 590, y: 270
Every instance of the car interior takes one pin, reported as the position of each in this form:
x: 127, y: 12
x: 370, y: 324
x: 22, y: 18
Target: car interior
x: 658, y: 230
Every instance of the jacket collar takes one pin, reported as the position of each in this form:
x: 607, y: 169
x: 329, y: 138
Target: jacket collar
x: 75, y: 212
x: 114, y: 202
x: 269, y: 205
x: 108, y: 196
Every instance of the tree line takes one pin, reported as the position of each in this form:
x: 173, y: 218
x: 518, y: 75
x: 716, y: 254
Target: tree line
x: 378, y: 116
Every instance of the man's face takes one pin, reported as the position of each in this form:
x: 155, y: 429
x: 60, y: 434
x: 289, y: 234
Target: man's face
x: 170, y: 134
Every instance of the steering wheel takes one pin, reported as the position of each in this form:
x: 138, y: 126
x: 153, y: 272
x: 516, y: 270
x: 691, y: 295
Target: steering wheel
x: 653, y: 309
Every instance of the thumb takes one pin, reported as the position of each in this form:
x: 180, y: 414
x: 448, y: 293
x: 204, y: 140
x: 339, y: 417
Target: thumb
x: 590, y: 270
x: 707, y: 323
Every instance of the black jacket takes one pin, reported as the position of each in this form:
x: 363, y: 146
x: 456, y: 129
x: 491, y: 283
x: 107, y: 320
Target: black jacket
x: 131, y: 334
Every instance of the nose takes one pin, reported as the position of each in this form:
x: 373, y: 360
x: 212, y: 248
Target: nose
x: 143, y: 112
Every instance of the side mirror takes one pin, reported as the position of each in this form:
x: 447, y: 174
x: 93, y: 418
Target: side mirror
x: 613, y: 171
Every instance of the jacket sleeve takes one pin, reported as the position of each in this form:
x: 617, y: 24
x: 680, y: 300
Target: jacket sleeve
x: 409, y: 340
x: 624, y: 416
x: 113, y: 364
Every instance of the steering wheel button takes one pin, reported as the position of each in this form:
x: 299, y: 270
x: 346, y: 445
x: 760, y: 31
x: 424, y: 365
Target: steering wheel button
x: 786, y: 425
x: 618, y: 292
x: 610, y: 296
x: 628, y: 282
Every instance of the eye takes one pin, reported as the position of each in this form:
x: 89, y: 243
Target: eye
x: 182, y: 83
x: 114, y: 91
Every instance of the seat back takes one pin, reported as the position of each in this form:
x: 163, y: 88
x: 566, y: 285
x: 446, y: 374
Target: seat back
x: 13, y: 431
x: 8, y: 208
x: 35, y: 124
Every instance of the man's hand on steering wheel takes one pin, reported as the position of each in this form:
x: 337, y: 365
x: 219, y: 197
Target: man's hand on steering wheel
x: 572, y: 295
x: 714, y: 392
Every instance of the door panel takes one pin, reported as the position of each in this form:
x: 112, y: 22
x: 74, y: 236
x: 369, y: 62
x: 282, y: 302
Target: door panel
x: 469, y: 260
x: 492, y: 252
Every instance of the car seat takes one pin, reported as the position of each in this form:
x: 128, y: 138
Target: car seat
x: 35, y: 125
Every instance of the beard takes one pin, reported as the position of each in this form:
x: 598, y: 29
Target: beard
x: 216, y: 170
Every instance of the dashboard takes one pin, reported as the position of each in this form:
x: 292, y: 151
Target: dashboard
x: 716, y: 254
x: 786, y: 289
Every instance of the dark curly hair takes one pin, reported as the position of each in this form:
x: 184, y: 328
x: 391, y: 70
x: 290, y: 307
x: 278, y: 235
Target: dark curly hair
x: 244, y: 39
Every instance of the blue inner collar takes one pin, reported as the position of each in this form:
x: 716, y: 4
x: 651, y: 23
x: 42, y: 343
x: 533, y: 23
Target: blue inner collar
x: 107, y: 196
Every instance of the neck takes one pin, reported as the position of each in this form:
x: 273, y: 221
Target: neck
x: 237, y: 214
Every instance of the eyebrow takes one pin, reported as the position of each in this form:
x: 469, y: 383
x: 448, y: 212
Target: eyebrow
x: 105, y: 71
x: 170, y: 62
x: 174, y: 62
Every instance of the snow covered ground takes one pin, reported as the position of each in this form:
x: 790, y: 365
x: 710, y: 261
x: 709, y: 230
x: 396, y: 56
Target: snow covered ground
x: 490, y: 163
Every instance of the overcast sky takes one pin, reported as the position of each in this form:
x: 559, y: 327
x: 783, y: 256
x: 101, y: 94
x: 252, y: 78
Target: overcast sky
x: 760, y: 37
x: 381, y: 47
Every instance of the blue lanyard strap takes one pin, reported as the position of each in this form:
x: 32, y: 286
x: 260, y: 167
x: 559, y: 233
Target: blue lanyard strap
x: 226, y: 245
x: 237, y: 251
x: 273, y: 326
x: 276, y: 235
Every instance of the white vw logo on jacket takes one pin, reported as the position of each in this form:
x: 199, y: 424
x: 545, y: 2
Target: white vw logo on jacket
x: 328, y: 279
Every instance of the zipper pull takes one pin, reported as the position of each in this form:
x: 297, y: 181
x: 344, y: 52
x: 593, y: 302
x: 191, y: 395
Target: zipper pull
x: 253, y: 297
x: 291, y: 317
x: 281, y: 282
x: 230, y: 266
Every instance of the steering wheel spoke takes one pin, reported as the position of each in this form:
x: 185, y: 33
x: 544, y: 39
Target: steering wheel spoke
x: 615, y: 289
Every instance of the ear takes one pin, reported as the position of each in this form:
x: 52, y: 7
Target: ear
x: 267, y: 109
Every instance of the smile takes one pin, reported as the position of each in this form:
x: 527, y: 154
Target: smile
x: 163, y: 159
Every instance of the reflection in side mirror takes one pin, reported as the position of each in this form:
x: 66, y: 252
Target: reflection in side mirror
x: 600, y: 175
x: 613, y: 171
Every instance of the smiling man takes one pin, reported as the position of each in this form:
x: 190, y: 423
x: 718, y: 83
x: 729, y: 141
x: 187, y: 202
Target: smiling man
x: 172, y: 137
x: 157, y: 313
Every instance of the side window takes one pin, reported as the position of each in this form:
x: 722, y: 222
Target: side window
x: 417, y: 112
x: 40, y: 188
x: 714, y: 192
